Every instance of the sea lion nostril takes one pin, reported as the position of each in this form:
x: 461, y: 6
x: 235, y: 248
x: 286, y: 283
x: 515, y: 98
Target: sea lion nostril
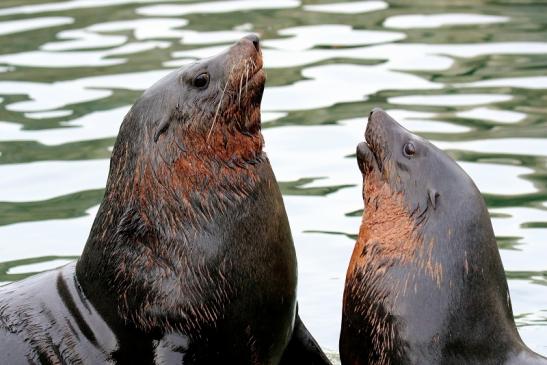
x: 375, y: 110
x: 256, y: 41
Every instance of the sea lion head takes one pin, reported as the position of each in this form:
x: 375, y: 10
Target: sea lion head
x: 188, y: 148
x: 428, y: 181
x: 194, y: 133
x: 422, y: 210
x: 426, y: 264
x: 209, y: 108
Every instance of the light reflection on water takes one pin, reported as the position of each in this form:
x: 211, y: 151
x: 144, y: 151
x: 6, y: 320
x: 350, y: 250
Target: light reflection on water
x: 470, y: 78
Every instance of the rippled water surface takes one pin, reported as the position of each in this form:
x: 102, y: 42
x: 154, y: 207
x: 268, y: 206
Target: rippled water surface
x: 469, y: 75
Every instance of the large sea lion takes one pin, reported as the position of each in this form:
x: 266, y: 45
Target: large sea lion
x: 425, y: 284
x: 190, y: 259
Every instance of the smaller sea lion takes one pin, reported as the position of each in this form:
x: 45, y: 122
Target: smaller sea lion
x: 425, y: 284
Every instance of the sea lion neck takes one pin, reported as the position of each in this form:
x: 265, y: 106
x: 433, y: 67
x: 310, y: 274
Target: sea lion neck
x: 226, y: 146
x: 179, y: 189
x: 390, y: 233
x: 157, y: 227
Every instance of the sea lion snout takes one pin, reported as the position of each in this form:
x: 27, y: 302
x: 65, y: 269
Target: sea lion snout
x: 379, y: 123
x: 377, y: 135
x: 248, y: 50
x: 386, y: 137
x: 375, y: 110
x: 374, y: 127
x: 255, y: 40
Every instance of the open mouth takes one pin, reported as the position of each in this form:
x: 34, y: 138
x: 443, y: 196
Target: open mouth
x: 367, y: 153
x: 366, y: 158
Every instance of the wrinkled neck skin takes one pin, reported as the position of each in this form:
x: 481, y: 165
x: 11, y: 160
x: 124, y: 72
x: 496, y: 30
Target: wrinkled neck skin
x: 428, y: 281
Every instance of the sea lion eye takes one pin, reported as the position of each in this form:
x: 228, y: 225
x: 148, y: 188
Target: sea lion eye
x: 409, y: 149
x: 201, y: 81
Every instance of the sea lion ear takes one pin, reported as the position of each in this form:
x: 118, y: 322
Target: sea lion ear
x: 433, y: 195
x: 162, y: 126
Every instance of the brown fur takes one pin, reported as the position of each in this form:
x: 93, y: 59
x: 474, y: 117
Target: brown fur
x: 426, y: 283
x: 173, y: 184
x: 190, y: 258
x: 389, y: 235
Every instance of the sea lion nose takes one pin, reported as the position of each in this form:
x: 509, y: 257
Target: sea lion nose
x: 375, y: 124
x: 375, y: 110
x: 256, y: 41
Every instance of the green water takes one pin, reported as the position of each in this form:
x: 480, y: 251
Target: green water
x: 469, y: 75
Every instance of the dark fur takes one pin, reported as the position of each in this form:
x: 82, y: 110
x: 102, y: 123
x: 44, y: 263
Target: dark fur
x: 428, y: 285
x: 190, y: 258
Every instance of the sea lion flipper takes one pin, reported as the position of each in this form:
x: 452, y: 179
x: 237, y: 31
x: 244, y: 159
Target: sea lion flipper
x: 302, y: 348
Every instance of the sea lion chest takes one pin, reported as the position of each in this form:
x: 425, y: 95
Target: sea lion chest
x: 228, y: 294
x: 229, y: 298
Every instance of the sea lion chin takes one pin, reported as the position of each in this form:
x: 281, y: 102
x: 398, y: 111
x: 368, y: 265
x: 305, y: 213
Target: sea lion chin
x: 190, y: 258
x: 425, y: 284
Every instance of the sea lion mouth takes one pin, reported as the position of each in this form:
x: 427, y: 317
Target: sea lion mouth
x: 366, y: 158
x: 249, y: 70
x: 258, y: 76
x: 369, y: 152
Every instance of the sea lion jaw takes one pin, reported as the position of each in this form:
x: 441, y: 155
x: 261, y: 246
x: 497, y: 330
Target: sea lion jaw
x: 244, y: 85
x: 366, y: 160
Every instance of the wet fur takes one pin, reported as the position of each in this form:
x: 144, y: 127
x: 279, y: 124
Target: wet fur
x: 425, y: 284
x: 190, y: 258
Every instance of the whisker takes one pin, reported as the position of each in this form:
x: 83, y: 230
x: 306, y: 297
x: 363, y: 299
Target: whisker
x: 246, y: 80
x: 246, y: 88
x: 220, y: 103
x: 240, y: 87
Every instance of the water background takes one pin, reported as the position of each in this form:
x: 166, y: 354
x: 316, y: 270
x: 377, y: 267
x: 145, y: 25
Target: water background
x: 470, y: 75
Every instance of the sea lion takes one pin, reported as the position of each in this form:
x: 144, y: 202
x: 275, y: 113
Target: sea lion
x: 190, y: 259
x: 425, y: 284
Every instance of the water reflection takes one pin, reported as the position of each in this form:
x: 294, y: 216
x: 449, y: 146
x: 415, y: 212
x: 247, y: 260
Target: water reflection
x: 355, y: 7
x: 493, y: 115
x: 45, y: 180
x: 24, y: 25
x: 79, y: 58
x: 218, y: 7
x: 467, y: 76
x: 410, y: 21
x: 308, y: 37
x: 66, y: 5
